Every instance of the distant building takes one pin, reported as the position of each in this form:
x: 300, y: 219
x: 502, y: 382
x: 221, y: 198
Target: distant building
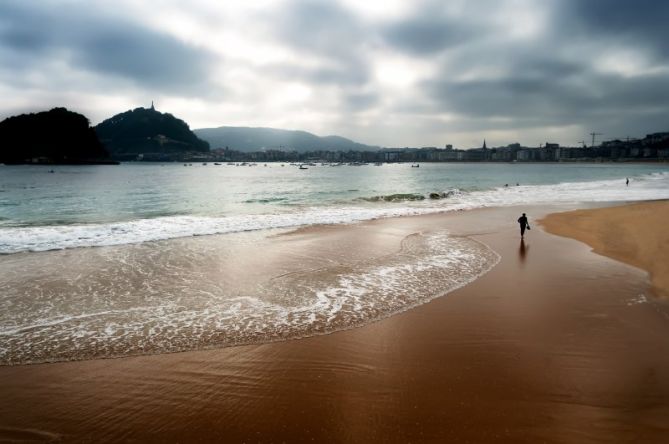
x: 452, y: 155
x: 503, y: 154
x: 391, y: 156
x: 656, y: 138
x: 476, y: 154
x: 524, y: 155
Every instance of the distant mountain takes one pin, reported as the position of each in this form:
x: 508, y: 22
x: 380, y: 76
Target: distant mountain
x: 256, y: 139
x: 57, y: 136
x: 143, y: 131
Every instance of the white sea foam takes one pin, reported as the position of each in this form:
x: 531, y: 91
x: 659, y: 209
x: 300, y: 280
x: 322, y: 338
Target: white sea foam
x: 110, y: 312
x: 42, y: 238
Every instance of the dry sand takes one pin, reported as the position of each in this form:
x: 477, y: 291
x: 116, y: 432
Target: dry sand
x: 635, y: 234
x: 555, y: 344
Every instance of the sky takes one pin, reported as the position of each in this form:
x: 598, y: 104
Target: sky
x: 391, y: 73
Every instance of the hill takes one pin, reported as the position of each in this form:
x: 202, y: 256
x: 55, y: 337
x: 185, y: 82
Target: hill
x: 257, y: 139
x: 57, y: 136
x: 144, y: 131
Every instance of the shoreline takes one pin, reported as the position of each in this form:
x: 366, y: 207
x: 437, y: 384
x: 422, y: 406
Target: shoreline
x: 633, y: 233
x: 553, y: 344
x: 263, y: 210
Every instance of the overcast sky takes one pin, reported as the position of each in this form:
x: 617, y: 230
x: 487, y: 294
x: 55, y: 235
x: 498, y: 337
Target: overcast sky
x: 390, y: 72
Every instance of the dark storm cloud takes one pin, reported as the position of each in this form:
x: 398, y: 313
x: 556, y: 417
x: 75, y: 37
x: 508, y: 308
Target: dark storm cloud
x: 16, y: 37
x: 427, y: 35
x: 429, y: 30
x: 553, y: 100
x: 101, y: 44
x: 529, y: 85
x: 148, y: 58
x: 435, y: 26
x: 612, y: 104
x: 555, y: 78
x: 328, y: 32
x: 319, y: 27
x: 639, y: 22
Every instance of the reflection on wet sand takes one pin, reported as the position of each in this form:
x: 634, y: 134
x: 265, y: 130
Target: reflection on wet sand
x: 522, y: 251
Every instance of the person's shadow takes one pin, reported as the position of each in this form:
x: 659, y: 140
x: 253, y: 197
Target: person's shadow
x: 522, y: 251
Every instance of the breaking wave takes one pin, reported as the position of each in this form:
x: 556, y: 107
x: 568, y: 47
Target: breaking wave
x: 131, y: 301
x: 54, y: 237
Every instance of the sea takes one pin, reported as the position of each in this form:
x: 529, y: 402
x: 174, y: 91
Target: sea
x: 143, y: 258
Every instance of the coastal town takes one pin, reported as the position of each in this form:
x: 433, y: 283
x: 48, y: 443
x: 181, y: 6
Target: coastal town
x: 652, y: 148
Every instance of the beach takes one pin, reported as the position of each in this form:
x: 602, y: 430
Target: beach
x: 554, y: 344
x: 635, y: 234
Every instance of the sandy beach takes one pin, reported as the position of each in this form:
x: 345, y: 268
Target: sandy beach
x: 555, y: 344
x: 635, y: 234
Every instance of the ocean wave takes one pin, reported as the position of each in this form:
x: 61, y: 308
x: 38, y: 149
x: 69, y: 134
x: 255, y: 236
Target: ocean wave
x: 399, y: 197
x: 266, y: 200
x: 41, y: 238
x: 127, y: 302
x: 411, y: 197
x: 14, y: 240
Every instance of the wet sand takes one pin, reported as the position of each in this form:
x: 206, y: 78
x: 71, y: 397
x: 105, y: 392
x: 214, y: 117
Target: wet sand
x: 555, y: 344
x: 635, y: 234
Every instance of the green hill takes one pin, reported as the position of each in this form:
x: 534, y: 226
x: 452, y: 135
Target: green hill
x: 147, y: 131
x: 57, y: 136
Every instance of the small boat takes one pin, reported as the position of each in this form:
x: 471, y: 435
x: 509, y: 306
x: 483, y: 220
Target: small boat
x: 302, y: 167
x: 415, y: 165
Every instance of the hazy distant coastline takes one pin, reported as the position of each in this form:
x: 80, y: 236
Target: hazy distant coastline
x: 60, y: 136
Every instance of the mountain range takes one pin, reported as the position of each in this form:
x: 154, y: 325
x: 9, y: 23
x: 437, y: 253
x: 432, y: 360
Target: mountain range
x: 248, y: 139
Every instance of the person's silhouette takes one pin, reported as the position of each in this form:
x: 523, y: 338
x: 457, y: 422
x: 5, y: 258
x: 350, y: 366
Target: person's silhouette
x: 522, y: 220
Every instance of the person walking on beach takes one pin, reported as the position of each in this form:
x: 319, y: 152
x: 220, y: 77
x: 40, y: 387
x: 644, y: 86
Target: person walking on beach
x: 522, y: 220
